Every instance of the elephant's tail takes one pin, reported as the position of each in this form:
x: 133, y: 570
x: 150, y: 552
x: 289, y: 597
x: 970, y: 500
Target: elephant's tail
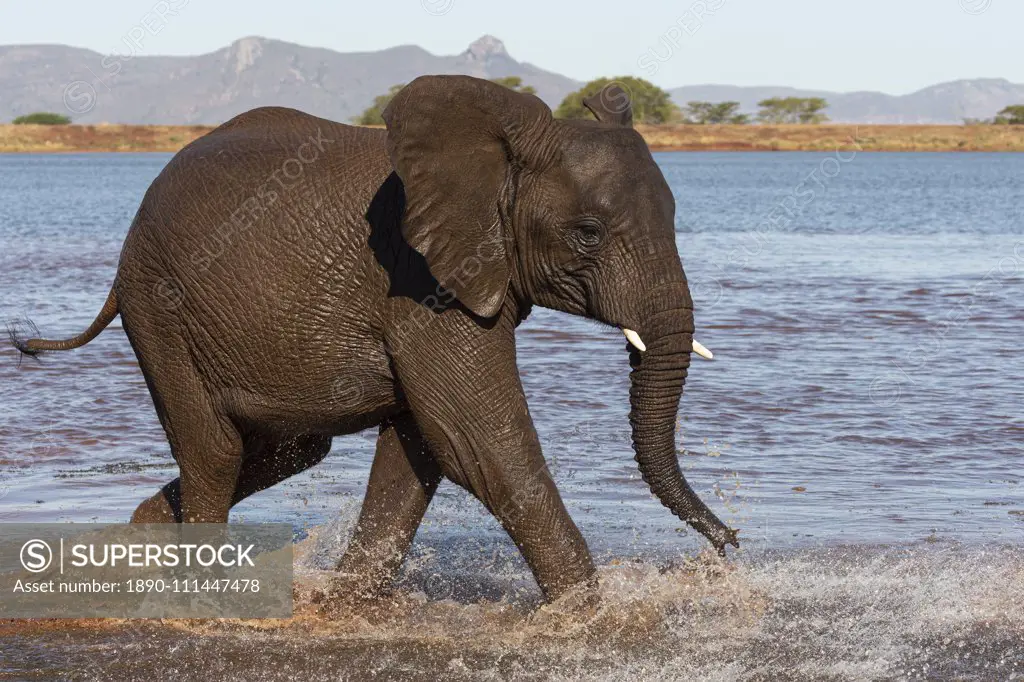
x: 33, y: 347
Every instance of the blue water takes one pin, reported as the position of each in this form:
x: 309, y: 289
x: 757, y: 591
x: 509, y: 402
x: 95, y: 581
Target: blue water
x: 866, y: 348
x: 866, y: 315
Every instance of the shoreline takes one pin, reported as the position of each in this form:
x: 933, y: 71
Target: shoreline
x: 660, y: 138
x: 834, y: 137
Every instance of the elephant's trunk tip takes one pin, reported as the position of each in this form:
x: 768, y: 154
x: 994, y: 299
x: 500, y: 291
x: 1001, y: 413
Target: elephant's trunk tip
x: 717, y: 533
x: 730, y: 537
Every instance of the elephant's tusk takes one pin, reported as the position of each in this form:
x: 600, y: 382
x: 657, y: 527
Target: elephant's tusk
x: 634, y: 339
x: 700, y: 350
x: 698, y: 347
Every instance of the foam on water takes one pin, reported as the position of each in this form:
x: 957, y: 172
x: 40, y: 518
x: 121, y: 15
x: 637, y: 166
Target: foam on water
x: 933, y: 610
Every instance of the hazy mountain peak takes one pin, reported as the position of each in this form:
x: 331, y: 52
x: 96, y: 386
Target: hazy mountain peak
x: 484, y: 48
x: 245, y: 52
x: 256, y: 71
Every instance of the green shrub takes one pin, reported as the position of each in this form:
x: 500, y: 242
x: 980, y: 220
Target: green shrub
x: 1011, y: 115
x: 650, y: 103
x: 45, y: 118
x: 373, y: 115
x: 778, y: 110
x: 703, y: 113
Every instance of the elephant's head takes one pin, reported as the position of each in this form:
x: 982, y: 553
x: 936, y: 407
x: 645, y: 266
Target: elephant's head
x: 570, y: 215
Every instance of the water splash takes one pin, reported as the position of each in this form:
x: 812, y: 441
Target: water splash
x: 935, y: 611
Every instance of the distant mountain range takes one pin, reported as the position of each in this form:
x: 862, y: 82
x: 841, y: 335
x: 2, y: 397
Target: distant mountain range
x: 251, y: 72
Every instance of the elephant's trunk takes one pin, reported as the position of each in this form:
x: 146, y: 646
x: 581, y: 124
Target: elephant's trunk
x: 657, y: 385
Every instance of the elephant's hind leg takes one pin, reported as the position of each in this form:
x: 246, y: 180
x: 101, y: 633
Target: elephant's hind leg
x: 206, y: 445
x: 204, y: 441
x: 267, y: 461
x: 403, y: 479
x: 209, y: 455
x: 164, y: 507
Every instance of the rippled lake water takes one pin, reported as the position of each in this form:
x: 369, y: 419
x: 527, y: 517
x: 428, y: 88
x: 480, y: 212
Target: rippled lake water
x: 861, y: 424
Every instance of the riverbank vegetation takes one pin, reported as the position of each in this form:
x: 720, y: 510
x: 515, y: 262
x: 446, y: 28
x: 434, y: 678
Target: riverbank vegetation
x: 781, y: 124
x: 45, y: 118
x: 666, y: 137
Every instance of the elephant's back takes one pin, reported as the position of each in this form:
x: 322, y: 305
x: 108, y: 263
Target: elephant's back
x: 274, y: 134
x: 269, y: 177
x: 261, y: 226
x: 270, y: 149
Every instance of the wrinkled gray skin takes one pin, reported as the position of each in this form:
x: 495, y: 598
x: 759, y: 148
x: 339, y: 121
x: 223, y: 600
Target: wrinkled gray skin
x: 288, y: 279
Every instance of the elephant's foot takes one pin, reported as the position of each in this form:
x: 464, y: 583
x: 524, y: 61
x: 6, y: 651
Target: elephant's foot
x: 575, y: 613
x: 348, y: 596
x: 582, y: 598
x: 164, y: 507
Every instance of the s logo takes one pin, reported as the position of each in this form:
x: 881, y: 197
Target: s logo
x: 36, y: 556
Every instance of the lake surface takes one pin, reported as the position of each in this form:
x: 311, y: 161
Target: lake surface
x: 862, y: 425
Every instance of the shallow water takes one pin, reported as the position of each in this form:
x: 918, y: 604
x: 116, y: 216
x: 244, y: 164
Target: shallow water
x: 861, y: 424
x: 839, y: 613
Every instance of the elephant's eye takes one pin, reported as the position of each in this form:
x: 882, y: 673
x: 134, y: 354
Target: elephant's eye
x: 588, y: 233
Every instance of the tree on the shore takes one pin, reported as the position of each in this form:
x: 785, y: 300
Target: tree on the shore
x: 42, y: 118
x: 1011, y: 115
x: 650, y: 103
x: 374, y: 114
x: 780, y: 110
x: 703, y: 113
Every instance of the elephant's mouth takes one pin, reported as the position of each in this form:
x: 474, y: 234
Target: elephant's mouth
x: 638, y: 343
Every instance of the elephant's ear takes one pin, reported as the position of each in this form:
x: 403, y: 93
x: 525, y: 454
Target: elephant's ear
x: 611, y: 105
x: 454, y: 141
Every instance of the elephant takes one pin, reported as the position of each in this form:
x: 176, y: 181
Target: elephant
x: 288, y: 279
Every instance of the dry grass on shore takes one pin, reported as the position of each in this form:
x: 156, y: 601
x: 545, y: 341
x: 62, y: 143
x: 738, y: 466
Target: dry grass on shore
x: 888, y: 138
x: 940, y: 138
x: 98, y: 138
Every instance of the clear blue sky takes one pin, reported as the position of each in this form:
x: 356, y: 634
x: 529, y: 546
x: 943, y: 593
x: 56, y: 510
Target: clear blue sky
x: 895, y: 46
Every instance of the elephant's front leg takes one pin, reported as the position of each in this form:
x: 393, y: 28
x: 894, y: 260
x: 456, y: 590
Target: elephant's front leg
x: 465, y: 392
x: 517, y: 488
x: 403, y: 479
